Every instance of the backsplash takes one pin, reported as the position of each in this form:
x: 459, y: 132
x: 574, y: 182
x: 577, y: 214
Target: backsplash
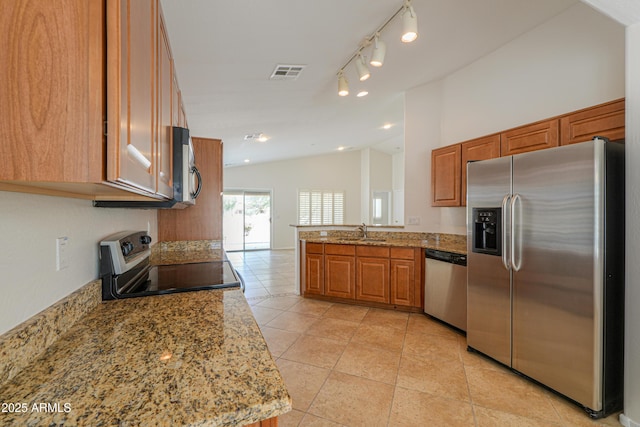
x: 163, y: 253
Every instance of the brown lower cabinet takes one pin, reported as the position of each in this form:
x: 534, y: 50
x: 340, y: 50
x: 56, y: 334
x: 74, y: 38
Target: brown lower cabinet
x: 406, y: 268
x: 379, y: 276
x: 271, y: 422
x: 340, y: 271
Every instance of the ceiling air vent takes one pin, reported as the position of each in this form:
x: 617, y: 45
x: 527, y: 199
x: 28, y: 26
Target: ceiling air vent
x: 286, y: 72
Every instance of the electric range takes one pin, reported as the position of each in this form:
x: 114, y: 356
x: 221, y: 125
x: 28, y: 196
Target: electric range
x: 126, y: 270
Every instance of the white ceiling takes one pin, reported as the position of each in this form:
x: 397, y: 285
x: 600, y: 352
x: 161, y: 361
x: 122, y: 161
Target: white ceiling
x: 225, y: 52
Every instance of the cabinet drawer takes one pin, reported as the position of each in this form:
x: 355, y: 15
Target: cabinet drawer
x: 373, y: 251
x: 331, y: 249
x: 314, y: 248
x: 402, y: 253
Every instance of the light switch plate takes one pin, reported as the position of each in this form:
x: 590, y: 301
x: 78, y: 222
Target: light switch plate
x: 62, y: 255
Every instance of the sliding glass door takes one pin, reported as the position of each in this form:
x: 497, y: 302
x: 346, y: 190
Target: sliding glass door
x: 246, y: 221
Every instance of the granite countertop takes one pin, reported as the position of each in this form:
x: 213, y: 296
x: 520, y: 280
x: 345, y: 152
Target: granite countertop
x: 192, y: 358
x: 447, y: 243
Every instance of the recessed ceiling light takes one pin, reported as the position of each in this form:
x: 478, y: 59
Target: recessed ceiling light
x: 247, y: 160
x: 362, y: 93
x: 387, y: 126
x: 341, y: 148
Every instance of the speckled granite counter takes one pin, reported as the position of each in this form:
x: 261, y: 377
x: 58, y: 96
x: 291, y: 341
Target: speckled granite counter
x: 194, y: 358
x: 190, y: 358
x: 454, y: 243
x: 181, y: 252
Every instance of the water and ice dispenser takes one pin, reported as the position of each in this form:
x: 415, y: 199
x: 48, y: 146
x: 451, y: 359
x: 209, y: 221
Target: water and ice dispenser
x: 487, y: 231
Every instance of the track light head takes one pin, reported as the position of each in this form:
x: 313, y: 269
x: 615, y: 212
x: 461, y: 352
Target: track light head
x: 343, y: 85
x: 379, y: 50
x: 361, y: 67
x: 409, y: 23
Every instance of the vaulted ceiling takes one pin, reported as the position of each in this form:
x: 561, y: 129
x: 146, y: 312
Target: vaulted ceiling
x: 226, y: 51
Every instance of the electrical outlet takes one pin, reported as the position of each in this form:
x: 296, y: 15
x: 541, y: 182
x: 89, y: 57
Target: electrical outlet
x: 413, y: 220
x: 62, y: 246
x: 323, y: 234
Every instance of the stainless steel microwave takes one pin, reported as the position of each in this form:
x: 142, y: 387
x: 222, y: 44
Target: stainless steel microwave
x: 187, y: 181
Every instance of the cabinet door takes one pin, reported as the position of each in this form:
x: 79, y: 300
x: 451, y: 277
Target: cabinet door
x: 484, y: 148
x: 52, y: 91
x: 532, y: 137
x: 340, y: 276
x: 131, y: 102
x: 203, y: 221
x: 403, y: 281
x: 164, y: 151
x: 314, y: 274
x: 175, y: 100
x: 182, y: 116
x: 605, y: 120
x: 372, y: 279
x: 445, y: 175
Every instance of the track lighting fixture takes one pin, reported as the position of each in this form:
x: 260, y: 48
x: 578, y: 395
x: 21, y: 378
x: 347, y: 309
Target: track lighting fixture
x: 379, y: 49
x: 343, y: 85
x: 361, y: 67
x: 409, y: 34
x: 409, y: 23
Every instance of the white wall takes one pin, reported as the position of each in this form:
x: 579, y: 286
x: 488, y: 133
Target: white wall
x: 29, y: 226
x: 572, y: 61
x: 339, y: 171
x: 397, y: 183
x: 380, y: 171
x: 376, y: 175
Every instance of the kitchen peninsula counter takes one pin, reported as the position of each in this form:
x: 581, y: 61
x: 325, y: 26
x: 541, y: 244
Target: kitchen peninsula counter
x: 442, y: 242
x: 192, y: 358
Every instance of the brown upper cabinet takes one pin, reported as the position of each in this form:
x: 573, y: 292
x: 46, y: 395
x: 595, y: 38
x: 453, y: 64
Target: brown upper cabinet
x: 52, y: 92
x: 445, y: 175
x: 605, y: 120
x: 131, y: 92
x: 449, y: 169
x: 484, y: 148
x: 536, y: 136
x: 203, y: 221
x: 164, y: 130
x: 68, y: 96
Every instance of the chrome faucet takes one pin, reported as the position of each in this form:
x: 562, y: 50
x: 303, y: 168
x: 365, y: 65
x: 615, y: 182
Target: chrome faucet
x: 363, y: 228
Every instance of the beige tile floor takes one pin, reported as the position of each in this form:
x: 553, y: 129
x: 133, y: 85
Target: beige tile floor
x: 354, y: 366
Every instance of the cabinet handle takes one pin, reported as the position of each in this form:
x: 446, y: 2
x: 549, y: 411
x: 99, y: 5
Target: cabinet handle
x: 515, y: 264
x: 506, y: 260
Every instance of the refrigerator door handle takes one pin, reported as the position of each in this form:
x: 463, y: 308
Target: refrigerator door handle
x: 515, y: 264
x: 506, y: 260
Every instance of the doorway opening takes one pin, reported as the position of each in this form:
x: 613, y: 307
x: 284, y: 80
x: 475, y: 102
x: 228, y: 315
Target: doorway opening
x: 246, y: 220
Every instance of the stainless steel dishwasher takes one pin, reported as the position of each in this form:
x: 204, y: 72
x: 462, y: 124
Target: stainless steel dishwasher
x: 445, y: 288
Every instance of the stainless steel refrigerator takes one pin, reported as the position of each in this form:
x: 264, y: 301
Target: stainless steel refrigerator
x: 545, y: 286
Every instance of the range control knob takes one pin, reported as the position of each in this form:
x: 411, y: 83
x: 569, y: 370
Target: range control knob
x: 126, y: 247
x: 145, y: 240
